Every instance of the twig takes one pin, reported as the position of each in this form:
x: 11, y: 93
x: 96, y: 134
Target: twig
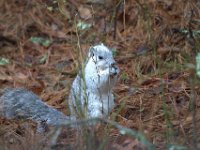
x: 154, y: 117
x: 115, y: 20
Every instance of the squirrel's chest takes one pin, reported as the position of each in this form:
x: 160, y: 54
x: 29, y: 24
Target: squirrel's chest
x: 102, y: 102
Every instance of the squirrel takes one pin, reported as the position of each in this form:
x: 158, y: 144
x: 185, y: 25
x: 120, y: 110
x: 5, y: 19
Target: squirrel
x: 91, y: 93
x: 90, y: 96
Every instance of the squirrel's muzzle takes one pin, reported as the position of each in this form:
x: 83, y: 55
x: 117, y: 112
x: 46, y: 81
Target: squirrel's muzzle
x: 114, y: 69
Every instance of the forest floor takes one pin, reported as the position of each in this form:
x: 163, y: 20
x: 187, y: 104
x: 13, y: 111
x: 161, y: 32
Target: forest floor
x: 155, y: 43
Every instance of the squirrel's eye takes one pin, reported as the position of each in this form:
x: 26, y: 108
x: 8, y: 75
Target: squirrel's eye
x: 100, y: 57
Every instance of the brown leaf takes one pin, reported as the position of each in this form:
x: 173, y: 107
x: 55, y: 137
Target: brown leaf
x: 5, y: 77
x: 151, y: 81
x: 85, y: 12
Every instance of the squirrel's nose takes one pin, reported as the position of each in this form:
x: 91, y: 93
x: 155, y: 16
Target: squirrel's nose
x: 114, y: 66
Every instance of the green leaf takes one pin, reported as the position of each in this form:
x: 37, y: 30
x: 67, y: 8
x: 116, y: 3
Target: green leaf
x: 124, y: 76
x: 41, y: 41
x: 4, y: 61
x: 176, y: 147
x: 115, y: 52
x: 44, y: 58
x: 198, y: 64
x: 141, y: 109
x: 50, y: 8
x: 83, y: 26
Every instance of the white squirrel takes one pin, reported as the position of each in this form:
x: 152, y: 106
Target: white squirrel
x: 91, y: 94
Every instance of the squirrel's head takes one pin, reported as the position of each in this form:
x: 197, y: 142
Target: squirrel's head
x: 103, y: 59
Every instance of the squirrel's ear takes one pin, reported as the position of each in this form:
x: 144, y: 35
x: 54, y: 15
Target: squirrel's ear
x: 91, y: 52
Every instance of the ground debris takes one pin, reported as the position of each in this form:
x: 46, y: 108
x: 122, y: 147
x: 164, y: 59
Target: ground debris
x: 157, y: 94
